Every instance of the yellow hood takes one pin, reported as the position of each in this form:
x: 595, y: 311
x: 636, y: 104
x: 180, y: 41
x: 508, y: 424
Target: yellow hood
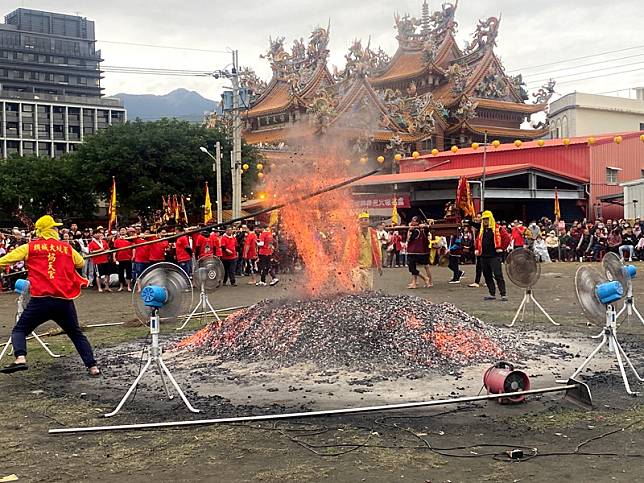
x: 488, y: 214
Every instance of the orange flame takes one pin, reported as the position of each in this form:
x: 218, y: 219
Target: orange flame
x: 324, y: 228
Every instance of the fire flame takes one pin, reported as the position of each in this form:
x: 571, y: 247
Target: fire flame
x: 324, y: 228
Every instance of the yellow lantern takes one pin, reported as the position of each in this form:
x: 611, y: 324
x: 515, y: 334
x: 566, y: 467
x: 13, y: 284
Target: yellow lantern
x: 434, y: 152
x: 475, y: 146
x: 245, y: 167
x: 540, y: 143
x: 454, y: 149
x: 618, y: 139
x: 415, y: 154
x: 364, y: 160
x: 496, y: 143
x: 398, y: 156
x: 260, y: 166
x: 591, y: 140
x: 260, y: 175
x: 566, y: 142
x: 381, y: 159
x: 518, y: 143
x: 642, y: 137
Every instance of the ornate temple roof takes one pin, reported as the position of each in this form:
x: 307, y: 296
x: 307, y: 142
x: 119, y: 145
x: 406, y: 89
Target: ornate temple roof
x: 430, y: 87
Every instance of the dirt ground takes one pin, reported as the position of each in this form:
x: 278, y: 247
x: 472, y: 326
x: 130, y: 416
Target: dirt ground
x: 448, y: 443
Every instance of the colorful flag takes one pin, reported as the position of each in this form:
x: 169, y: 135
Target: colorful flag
x: 207, y: 209
x: 557, y: 210
x: 464, y: 198
x: 175, y: 208
x: 184, y: 213
x: 395, y: 219
x: 275, y: 214
x: 111, y: 210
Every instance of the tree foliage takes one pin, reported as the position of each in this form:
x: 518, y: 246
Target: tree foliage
x: 147, y: 159
x: 43, y: 185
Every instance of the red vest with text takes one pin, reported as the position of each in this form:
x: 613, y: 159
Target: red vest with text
x: 51, y: 270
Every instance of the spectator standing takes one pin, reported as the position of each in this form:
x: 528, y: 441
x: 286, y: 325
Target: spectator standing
x: 395, y: 245
x: 141, y: 256
x: 101, y: 262
x: 249, y: 255
x: 489, y: 248
x: 159, y: 248
x: 266, y: 248
x: 124, y: 260
x: 183, y: 251
x: 383, y: 239
x: 229, y: 255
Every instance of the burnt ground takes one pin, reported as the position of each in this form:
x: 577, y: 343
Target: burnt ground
x: 448, y: 443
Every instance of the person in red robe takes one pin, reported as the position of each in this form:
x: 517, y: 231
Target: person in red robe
x: 54, y: 283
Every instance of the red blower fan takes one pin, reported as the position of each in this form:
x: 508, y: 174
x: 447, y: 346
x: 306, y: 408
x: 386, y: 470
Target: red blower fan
x: 502, y: 378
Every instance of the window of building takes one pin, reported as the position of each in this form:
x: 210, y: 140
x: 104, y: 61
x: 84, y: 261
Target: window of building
x: 641, y: 173
x: 82, y: 80
x: 641, y: 126
x: 4, y: 54
x: 612, y: 175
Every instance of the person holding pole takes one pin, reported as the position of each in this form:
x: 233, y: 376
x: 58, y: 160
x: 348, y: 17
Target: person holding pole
x: 54, y: 284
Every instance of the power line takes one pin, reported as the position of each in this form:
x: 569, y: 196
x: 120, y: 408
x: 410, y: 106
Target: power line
x: 536, y: 82
x: 599, y: 76
x: 169, y: 47
x: 586, y: 65
x: 577, y: 58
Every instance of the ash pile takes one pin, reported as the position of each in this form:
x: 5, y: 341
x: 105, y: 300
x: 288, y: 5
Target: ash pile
x: 365, y: 332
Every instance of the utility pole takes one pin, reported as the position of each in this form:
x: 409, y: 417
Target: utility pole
x: 218, y: 178
x: 483, y: 176
x: 236, y: 154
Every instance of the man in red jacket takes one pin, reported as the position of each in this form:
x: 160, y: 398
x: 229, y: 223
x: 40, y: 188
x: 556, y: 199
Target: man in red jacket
x: 214, y: 244
x: 184, y: 252
x: 101, y: 262
x: 54, y: 283
x: 141, y: 256
x: 158, y: 249
x: 266, y: 248
x: 124, y: 260
x: 250, y: 255
x: 229, y: 255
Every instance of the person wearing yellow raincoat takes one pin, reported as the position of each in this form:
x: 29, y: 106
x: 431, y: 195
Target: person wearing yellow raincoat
x: 369, y: 255
x: 54, y: 283
x: 490, y: 248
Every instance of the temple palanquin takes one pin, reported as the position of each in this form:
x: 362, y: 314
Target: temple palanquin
x: 431, y: 93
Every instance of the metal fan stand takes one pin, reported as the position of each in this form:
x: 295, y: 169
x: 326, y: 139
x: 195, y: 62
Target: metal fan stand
x: 629, y: 306
x: 34, y: 335
x: 154, y: 356
x: 608, y: 336
x: 203, y: 304
x: 529, y: 297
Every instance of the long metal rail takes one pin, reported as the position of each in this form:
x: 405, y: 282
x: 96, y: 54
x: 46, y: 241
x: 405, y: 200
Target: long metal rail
x: 576, y: 392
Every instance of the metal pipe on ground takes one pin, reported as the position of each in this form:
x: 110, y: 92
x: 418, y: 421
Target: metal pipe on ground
x: 576, y: 392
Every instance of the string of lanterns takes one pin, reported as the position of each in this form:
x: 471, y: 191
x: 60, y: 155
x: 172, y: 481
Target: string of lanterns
x: 363, y: 160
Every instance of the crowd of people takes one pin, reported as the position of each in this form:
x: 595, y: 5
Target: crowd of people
x: 551, y: 241
x: 254, y: 252
x: 258, y: 253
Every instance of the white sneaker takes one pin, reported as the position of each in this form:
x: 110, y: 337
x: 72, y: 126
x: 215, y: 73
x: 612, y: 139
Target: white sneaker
x: 261, y: 284
x: 275, y: 281
x: 474, y: 284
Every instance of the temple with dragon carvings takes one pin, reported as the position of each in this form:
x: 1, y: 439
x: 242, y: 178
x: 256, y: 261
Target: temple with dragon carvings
x: 430, y: 94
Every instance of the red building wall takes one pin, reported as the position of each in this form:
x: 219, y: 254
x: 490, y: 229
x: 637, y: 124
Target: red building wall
x: 629, y: 156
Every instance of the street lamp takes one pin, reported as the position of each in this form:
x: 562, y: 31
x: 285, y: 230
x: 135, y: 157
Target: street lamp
x: 216, y: 167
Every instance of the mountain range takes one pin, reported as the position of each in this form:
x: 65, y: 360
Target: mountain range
x: 180, y: 104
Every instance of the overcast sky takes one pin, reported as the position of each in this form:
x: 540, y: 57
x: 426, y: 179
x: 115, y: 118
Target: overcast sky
x: 532, y: 33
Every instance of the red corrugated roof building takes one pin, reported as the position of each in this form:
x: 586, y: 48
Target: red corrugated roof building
x: 521, y: 180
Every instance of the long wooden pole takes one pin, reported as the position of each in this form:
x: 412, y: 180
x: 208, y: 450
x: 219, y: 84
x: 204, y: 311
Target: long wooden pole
x: 298, y: 199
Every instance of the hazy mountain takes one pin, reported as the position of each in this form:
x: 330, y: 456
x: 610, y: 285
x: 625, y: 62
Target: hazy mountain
x: 180, y: 103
